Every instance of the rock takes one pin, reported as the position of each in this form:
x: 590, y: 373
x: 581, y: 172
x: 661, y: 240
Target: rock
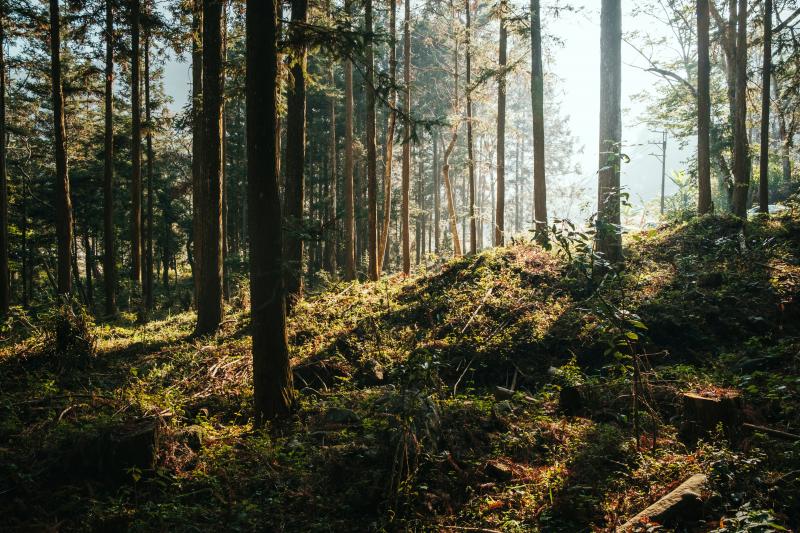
x: 502, y: 393
x: 498, y: 471
x: 372, y: 373
x: 682, y: 505
x: 337, y: 415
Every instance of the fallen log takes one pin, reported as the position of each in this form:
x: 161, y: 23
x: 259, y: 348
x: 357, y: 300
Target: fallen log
x: 682, y: 505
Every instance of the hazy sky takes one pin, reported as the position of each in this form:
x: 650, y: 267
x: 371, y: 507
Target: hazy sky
x: 577, y: 63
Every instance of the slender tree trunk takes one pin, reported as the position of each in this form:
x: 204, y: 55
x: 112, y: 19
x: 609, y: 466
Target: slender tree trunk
x: 26, y: 277
x: 449, y: 193
x: 499, y: 223
x: 5, y: 280
x: 149, y: 298
x: 209, y: 303
x: 272, y: 376
x: 407, y: 141
x: 609, y: 237
x: 389, y: 151
x: 437, y: 207
x: 704, y: 203
x: 372, y: 180
x: 109, y: 244
x: 763, y: 189
x: 349, y: 190
x: 295, y: 159
x: 741, y: 164
x: 537, y: 101
x: 197, y: 145
x: 136, y: 149
x: 63, y: 204
x: 473, y: 233
x: 333, y: 218
x: 89, y: 265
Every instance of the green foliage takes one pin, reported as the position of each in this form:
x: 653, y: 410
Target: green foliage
x: 69, y: 335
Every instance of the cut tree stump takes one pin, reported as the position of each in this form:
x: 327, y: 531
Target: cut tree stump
x: 682, y: 505
x: 704, y: 412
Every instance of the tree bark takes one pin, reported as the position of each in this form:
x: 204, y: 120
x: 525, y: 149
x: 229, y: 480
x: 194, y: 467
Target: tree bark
x: 389, y: 151
x: 109, y: 242
x: 741, y: 161
x: 149, y: 297
x: 295, y: 158
x: 209, y: 302
x: 62, y: 203
x: 333, y: 218
x: 473, y: 233
x: 407, y: 141
x: 136, y: 149
x: 272, y: 377
x: 5, y: 287
x: 499, y: 223
x: 437, y: 198
x: 763, y: 180
x: 372, y: 180
x: 349, y: 190
x: 609, y: 237
x: 537, y: 100
x: 197, y: 144
x: 704, y: 203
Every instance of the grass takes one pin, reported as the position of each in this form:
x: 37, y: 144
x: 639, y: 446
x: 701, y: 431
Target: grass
x: 399, y: 423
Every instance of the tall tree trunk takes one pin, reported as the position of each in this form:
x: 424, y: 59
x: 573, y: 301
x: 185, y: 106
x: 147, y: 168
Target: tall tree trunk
x: 372, y: 171
x: 109, y: 244
x: 197, y: 145
x: 63, y: 204
x: 407, y: 141
x: 136, y: 149
x: 333, y: 218
x: 741, y: 161
x: 499, y: 223
x: 149, y: 298
x: 537, y: 100
x: 704, y: 203
x: 5, y: 280
x: 349, y: 189
x: 272, y: 376
x: 209, y: 303
x: 89, y: 265
x: 437, y: 198
x: 609, y: 237
x: 295, y: 158
x: 473, y: 233
x: 389, y: 151
x: 451, y: 205
x: 763, y: 180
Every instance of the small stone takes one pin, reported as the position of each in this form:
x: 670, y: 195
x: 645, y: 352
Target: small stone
x: 498, y: 471
x: 338, y: 415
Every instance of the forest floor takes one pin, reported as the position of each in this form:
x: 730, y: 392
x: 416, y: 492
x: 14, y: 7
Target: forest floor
x: 406, y: 419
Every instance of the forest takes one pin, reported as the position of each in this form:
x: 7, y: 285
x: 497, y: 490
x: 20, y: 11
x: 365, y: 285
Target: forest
x: 400, y: 265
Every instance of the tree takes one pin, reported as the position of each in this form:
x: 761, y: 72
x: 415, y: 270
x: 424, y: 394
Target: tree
x: 197, y: 143
x: 5, y: 287
x: 296, y: 157
x: 209, y: 302
x: 448, y: 188
x: 609, y: 237
x: 763, y: 180
x: 499, y: 223
x: 741, y: 155
x: 389, y: 151
x: 349, y: 190
x: 331, y: 233
x: 407, y: 140
x: 63, y: 203
x: 109, y: 245
x: 473, y: 233
x: 136, y: 147
x: 273, y: 392
x: 148, y: 262
x: 372, y: 180
x: 537, y: 101
x: 704, y: 203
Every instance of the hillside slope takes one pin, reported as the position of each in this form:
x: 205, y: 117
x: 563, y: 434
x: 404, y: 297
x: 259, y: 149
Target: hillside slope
x: 406, y: 418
